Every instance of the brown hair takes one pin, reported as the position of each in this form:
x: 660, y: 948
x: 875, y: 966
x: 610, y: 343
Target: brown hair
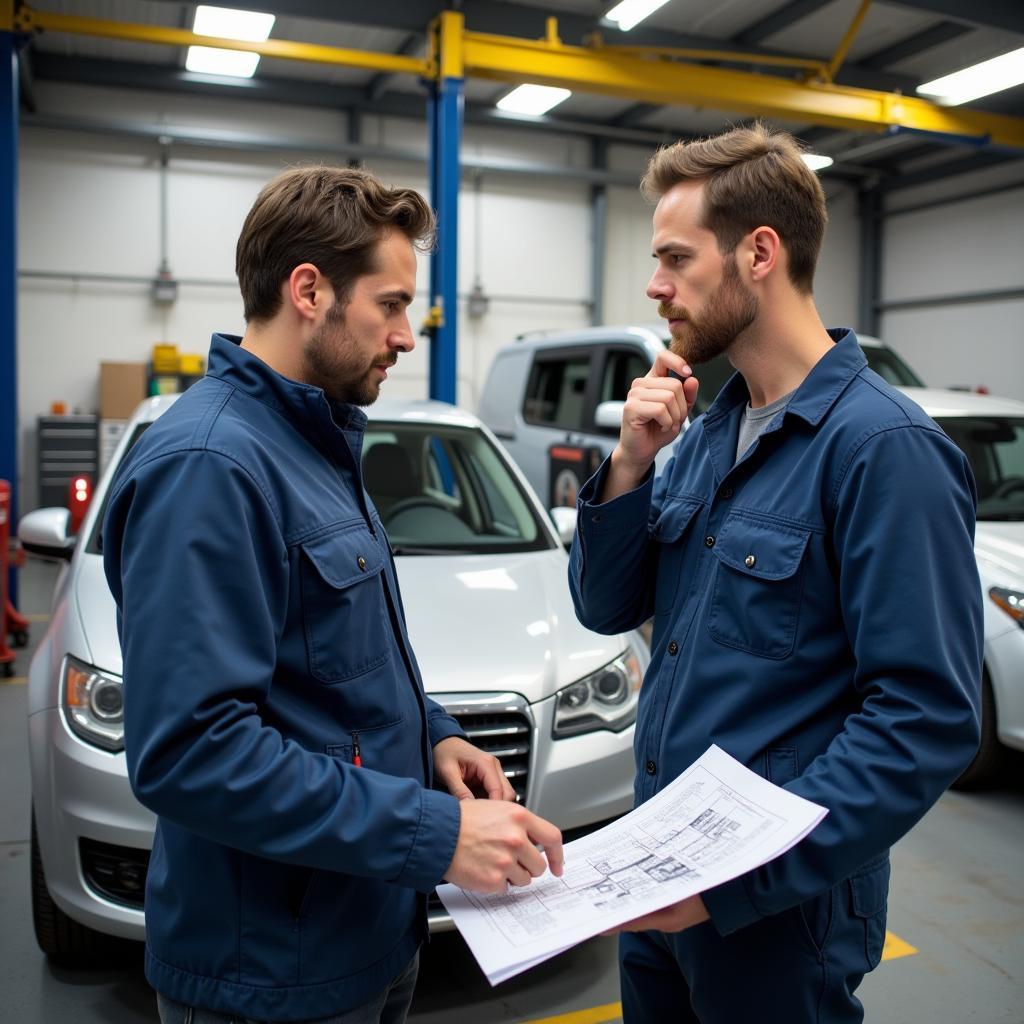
x: 752, y: 177
x: 332, y: 217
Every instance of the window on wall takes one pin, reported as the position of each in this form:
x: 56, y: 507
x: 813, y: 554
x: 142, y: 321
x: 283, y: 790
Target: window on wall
x: 556, y: 392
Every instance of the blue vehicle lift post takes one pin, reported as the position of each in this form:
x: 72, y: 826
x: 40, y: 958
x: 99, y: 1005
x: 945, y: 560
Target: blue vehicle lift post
x: 444, y: 121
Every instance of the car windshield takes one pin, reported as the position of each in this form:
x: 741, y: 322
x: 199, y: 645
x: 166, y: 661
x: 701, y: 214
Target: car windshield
x: 890, y: 367
x: 442, y: 489
x: 994, y: 446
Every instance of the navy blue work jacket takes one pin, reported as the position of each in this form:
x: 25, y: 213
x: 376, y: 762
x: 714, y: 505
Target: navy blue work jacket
x: 262, y: 634
x: 817, y: 614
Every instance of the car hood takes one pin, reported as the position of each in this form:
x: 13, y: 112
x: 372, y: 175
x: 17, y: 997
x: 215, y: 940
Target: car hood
x: 1000, y: 551
x: 478, y: 623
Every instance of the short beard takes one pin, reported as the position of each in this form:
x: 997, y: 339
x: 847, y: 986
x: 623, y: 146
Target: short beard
x: 330, y: 362
x: 730, y: 309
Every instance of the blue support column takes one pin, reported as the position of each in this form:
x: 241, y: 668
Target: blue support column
x: 8, y: 279
x: 444, y: 116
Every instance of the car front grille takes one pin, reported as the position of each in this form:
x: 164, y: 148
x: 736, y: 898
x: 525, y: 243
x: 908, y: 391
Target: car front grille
x: 506, y: 734
x: 117, y: 873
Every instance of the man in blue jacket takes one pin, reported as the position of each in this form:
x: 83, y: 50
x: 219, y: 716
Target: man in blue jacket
x: 275, y: 718
x: 807, y: 557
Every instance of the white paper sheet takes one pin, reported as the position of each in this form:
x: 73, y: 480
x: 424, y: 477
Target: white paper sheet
x: 716, y: 821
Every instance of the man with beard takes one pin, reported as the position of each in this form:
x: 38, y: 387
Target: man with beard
x: 807, y: 557
x: 275, y: 719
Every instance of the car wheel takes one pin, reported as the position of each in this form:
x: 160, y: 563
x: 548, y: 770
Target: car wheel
x: 984, y: 768
x: 57, y: 934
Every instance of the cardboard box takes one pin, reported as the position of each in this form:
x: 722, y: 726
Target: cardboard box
x: 122, y: 387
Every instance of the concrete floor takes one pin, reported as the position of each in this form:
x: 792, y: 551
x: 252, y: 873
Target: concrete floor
x: 957, y: 901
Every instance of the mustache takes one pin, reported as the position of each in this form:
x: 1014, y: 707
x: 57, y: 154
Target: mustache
x: 667, y: 312
x: 386, y: 361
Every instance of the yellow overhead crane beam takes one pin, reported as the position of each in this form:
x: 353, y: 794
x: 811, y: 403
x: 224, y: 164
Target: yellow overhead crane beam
x: 656, y: 77
x: 29, y: 20
x: 642, y: 74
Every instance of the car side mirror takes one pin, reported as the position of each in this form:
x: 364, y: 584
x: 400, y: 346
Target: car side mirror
x: 44, y: 532
x: 564, y: 519
x: 609, y: 415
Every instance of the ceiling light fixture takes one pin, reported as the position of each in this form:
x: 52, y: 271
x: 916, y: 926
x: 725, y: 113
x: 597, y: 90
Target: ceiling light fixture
x: 816, y: 161
x: 250, y: 26
x: 532, y: 99
x: 632, y: 12
x: 209, y: 60
x: 982, y: 79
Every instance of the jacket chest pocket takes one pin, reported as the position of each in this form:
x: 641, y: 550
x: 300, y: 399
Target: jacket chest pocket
x: 343, y: 610
x: 667, y: 531
x: 758, y: 585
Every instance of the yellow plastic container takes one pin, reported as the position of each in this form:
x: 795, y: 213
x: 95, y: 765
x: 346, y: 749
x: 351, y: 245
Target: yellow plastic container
x: 191, y: 365
x: 165, y: 358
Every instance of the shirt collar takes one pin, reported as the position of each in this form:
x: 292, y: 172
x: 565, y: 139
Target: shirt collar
x: 828, y: 378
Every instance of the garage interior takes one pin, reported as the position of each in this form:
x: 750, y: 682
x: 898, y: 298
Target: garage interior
x: 124, y: 178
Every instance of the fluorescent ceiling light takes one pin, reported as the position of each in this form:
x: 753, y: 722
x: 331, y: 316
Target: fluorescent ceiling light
x: 987, y: 77
x: 632, y: 12
x: 816, y: 161
x: 209, y: 60
x: 252, y: 26
x: 533, y: 99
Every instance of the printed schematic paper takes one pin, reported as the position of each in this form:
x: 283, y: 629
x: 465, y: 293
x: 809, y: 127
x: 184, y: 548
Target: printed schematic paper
x: 716, y: 821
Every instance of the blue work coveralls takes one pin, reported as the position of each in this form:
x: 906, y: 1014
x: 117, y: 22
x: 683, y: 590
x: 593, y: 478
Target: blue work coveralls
x: 263, y: 637
x: 817, y: 614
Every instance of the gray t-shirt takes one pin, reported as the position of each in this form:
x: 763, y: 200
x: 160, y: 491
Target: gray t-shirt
x: 754, y: 422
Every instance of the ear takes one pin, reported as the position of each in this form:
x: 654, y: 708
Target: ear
x: 765, y: 251
x: 308, y: 292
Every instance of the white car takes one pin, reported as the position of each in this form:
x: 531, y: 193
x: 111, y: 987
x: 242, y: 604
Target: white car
x: 990, y: 431
x: 483, y: 575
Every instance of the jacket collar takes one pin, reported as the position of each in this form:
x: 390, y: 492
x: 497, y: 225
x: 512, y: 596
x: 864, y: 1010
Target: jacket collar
x: 307, y: 407
x: 827, y: 380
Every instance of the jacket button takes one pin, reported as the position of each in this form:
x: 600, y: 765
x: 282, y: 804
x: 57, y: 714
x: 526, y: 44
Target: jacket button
x: 749, y: 561
x: 651, y: 767
x: 361, y: 562
x: 673, y: 647
x: 726, y: 492
x: 709, y: 541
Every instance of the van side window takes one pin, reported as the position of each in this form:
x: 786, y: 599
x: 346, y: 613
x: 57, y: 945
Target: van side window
x: 620, y: 370
x: 556, y: 392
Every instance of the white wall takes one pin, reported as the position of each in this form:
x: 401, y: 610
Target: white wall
x: 91, y: 204
x: 962, y: 246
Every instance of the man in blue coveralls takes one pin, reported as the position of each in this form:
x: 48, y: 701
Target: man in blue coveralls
x: 807, y: 557
x: 275, y: 718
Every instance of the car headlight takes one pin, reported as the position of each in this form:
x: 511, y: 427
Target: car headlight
x: 1011, y: 602
x: 606, y: 699
x: 93, y: 704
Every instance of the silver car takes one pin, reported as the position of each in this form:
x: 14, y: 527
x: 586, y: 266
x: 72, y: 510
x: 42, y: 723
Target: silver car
x: 483, y: 575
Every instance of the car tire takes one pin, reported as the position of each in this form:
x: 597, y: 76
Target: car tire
x: 57, y: 934
x: 985, y: 766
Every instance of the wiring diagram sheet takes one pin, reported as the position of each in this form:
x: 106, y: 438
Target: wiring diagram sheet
x: 716, y: 821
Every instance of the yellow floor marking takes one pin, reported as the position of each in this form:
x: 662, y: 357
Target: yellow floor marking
x: 37, y: 618
x: 895, y: 947
x: 14, y: 679
x: 595, y: 1015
